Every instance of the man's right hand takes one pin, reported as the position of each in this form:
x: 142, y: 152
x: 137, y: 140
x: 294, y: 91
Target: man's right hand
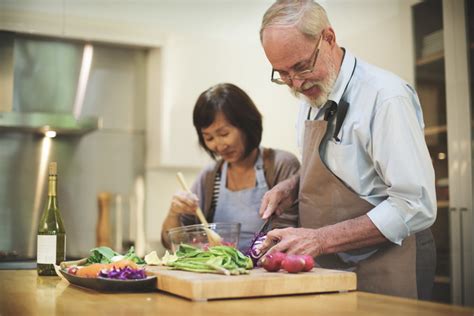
x: 280, y: 197
x: 183, y: 203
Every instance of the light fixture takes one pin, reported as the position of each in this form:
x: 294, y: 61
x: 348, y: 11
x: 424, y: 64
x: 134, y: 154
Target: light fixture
x: 50, y: 134
x: 441, y: 156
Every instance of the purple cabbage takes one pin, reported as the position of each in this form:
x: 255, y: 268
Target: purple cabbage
x: 126, y: 273
x: 254, y: 252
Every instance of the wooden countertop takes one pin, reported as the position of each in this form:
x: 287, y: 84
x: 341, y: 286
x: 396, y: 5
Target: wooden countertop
x: 22, y: 292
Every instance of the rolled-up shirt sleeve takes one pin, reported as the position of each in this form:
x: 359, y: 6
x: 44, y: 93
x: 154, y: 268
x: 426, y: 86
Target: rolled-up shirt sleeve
x: 402, y: 160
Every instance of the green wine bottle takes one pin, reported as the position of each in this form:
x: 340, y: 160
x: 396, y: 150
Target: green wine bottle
x: 51, y: 246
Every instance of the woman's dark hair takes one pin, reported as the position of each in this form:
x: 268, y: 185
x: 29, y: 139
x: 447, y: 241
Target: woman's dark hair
x: 238, y: 109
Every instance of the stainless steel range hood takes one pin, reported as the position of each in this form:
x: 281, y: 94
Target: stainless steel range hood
x: 41, y: 123
x: 65, y: 86
x: 42, y: 85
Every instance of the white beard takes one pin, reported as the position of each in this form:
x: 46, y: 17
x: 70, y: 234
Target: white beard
x: 324, y: 86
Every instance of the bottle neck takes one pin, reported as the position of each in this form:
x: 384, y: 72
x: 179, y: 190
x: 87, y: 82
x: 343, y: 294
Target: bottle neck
x: 52, y: 189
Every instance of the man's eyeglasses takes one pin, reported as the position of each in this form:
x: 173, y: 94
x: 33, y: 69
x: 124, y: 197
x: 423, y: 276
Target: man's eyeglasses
x: 283, y: 77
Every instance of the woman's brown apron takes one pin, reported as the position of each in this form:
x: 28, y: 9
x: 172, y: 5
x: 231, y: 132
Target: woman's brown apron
x: 326, y: 200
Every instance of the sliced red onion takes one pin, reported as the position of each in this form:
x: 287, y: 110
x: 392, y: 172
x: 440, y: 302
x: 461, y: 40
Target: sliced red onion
x: 254, y: 251
x: 126, y: 273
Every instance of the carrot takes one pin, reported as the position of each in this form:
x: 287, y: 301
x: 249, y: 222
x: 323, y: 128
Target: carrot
x: 92, y: 271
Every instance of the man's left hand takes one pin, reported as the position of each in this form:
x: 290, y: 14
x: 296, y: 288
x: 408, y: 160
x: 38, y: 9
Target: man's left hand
x: 301, y: 241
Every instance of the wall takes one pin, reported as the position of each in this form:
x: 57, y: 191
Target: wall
x: 202, y: 42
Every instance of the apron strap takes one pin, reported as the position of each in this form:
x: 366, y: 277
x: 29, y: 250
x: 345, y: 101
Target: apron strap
x: 259, y: 171
x: 333, y: 108
x: 330, y: 110
x: 341, y: 115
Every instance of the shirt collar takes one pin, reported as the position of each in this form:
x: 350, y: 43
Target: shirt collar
x: 343, y: 77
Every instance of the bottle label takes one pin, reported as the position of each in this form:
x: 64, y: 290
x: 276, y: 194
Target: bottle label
x: 46, y: 249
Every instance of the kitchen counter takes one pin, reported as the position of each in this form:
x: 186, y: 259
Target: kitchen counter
x: 22, y: 292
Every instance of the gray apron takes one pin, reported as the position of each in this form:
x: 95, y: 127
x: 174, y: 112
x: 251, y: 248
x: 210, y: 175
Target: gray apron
x: 325, y: 200
x: 242, y: 206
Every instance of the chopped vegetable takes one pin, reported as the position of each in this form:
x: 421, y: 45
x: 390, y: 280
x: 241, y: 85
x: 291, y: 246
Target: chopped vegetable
x: 93, y: 270
x: 101, y: 255
x: 168, y: 258
x: 131, y: 255
x: 125, y: 273
x: 107, y: 255
x: 254, y: 251
x: 152, y: 259
x: 218, y: 259
x: 72, y: 270
x: 117, y: 258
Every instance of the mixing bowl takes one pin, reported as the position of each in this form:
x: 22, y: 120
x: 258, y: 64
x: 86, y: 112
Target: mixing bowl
x: 197, y: 236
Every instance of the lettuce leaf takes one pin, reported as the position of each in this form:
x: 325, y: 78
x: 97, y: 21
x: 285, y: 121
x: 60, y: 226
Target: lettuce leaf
x: 105, y: 254
x: 101, y: 255
x: 132, y: 256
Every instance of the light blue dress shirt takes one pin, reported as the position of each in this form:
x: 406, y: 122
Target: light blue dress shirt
x: 382, y: 154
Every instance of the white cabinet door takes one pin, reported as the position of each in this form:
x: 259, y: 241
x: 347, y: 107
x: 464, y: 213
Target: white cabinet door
x: 460, y: 151
x: 32, y: 16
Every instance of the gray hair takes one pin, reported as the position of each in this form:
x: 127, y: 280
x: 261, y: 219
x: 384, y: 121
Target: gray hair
x: 309, y: 17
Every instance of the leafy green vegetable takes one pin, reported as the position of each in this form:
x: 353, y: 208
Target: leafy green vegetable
x: 101, y: 255
x: 105, y: 254
x: 132, y: 256
x: 218, y: 259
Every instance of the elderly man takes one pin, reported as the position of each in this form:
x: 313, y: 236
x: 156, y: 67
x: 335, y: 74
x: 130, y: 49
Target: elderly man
x: 365, y: 191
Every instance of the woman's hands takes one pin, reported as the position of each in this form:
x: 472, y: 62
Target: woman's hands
x: 183, y: 203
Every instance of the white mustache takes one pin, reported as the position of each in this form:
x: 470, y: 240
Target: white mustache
x: 308, y: 85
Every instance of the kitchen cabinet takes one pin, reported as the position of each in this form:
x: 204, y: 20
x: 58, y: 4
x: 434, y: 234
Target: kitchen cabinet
x: 441, y: 79
x: 92, y: 20
x: 457, y: 17
x: 430, y: 82
x: 31, y: 16
x: 117, y: 21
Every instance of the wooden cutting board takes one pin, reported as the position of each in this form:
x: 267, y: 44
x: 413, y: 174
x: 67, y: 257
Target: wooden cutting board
x: 204, y: 286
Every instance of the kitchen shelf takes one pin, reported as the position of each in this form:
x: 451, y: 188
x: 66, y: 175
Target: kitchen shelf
x: 430, y: 83
x: 442, y: 279
x: 435, y: 130
x: 428, y: 59
x: 442, y: 204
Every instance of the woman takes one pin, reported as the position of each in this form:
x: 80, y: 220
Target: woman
x: 229, y: 127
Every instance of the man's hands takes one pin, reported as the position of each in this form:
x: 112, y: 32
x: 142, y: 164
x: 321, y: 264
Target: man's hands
x: 183, y: 203
x: 301, y: 241
x: 351, y: 234
x: 280, y: 197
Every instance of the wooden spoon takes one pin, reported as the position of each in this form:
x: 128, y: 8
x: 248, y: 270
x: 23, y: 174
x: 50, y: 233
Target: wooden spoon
x: 212, y: 236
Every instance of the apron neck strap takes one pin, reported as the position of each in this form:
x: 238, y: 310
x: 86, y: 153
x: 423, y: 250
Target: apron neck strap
x: 260, y: 175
